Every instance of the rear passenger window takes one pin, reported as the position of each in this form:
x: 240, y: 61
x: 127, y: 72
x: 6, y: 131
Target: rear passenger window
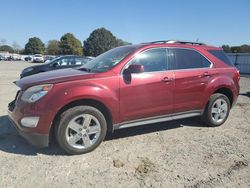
x: 80, y: 61
x: 66, y: 61
x: 221, y: 56
x: 189, y: 59
x: 152, y: 60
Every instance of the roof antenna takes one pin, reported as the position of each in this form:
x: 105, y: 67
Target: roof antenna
x: 197, y: 40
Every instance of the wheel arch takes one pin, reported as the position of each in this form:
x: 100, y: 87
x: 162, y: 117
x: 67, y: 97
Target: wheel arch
x: 223, y: 90
x: 220, y: 84
x: 89, y: 102
x: 226, y: 91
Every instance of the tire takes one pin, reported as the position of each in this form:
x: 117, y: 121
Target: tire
x: 81, y: 129
x: 218, y: 104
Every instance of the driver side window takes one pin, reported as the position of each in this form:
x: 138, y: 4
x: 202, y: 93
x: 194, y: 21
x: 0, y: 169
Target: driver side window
x: 153, y: 60
x: 64, y: 62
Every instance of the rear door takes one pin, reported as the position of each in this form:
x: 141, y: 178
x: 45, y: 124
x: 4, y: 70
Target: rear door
x: 149, y: 93
x: 192, y: 74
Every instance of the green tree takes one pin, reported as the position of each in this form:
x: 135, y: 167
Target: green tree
x: 34, y: 46
x: 226, y: 48
x: 99, y: 41
x: 69, y: 44
x: 6, y: 48
x: 244, y: 48
x: 53, y: 47
x: 121, y: 42
x: 235, y: 49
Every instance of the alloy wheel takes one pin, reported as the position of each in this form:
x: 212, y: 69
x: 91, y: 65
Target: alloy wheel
x: 219, y: 110
x: 83, y: 131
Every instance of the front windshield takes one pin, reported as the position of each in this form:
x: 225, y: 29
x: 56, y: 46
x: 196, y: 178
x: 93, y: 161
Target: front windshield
x: 108, y: 60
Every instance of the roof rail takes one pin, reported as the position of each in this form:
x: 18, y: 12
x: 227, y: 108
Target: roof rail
x: 175, y: 42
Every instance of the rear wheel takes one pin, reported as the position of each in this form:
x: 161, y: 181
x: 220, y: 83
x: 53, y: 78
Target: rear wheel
x: 217, y: 110
x: 81, y: 129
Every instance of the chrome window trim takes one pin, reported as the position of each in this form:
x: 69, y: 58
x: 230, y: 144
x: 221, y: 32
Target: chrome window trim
x: 123, y: 68
x: 168, y: 47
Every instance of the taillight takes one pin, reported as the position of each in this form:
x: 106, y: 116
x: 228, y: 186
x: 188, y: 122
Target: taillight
x: 237, y: 75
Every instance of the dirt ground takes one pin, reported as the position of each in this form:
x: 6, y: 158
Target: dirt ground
x: 175, y: 154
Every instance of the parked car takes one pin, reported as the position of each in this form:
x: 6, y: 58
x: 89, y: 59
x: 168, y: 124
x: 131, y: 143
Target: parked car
x: 125, y: 87
x: 28, y: 58
x: 2, y: 58
x: 38, y: 58
x: 16, y: 57
x: 58, y: 63
x: 13, y: 57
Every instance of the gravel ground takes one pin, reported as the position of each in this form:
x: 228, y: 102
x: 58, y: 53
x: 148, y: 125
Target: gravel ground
x: 175, y: 154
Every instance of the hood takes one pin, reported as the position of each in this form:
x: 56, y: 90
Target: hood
x: 35, y: 66
x: 52, y: 77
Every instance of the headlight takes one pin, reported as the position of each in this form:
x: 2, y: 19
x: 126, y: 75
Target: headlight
x: 28, y: 69
x: 35, y: 93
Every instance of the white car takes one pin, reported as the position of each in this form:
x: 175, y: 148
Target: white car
x: 38, y: 58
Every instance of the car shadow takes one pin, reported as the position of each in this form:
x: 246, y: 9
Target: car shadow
x: 247, y: 94
x: 11, y: 142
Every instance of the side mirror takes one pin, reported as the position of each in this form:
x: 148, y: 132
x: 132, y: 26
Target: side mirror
x: 55, y: 65
x: 132, y: 69
x: 135, y: 69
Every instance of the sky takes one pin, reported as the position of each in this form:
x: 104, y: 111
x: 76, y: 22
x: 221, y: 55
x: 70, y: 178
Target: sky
x: 214, y: 22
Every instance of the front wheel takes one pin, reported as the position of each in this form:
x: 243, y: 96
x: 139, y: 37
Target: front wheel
x: 217, y: 110
x: 81, y: 129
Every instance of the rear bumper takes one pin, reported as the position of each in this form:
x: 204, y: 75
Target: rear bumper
x: 35, y: 139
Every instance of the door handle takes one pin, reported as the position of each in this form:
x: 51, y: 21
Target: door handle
x: 205, y: 74
x: 167, y: 79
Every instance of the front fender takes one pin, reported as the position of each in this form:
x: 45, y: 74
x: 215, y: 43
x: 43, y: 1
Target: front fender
x: 66, y: 93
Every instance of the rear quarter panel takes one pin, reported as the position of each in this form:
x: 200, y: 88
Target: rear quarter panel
x: 224, y: 78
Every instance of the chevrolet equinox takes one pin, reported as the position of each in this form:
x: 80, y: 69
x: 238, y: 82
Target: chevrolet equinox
x: 124, y: 87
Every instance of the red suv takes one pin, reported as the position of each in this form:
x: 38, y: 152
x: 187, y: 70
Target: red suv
x: 124, y: 87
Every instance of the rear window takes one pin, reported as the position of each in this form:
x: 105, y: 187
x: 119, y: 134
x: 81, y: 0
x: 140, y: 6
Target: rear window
x: 221, y: 56
x: 189, y: 59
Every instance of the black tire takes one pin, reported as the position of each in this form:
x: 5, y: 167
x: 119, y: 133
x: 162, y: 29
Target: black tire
x: 63, y: 123
x: 207, y: 115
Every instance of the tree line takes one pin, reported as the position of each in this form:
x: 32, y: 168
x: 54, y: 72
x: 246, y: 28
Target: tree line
x: 99, y: 41
x: 236, y: 49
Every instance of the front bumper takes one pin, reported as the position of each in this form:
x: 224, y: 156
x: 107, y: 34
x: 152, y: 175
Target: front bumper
x: 35, y: 139
x: 38, y: 135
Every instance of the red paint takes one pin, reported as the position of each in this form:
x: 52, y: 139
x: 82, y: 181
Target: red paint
x: 147, y: 95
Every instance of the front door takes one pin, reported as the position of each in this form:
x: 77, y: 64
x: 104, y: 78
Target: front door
x: 150, y: 93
